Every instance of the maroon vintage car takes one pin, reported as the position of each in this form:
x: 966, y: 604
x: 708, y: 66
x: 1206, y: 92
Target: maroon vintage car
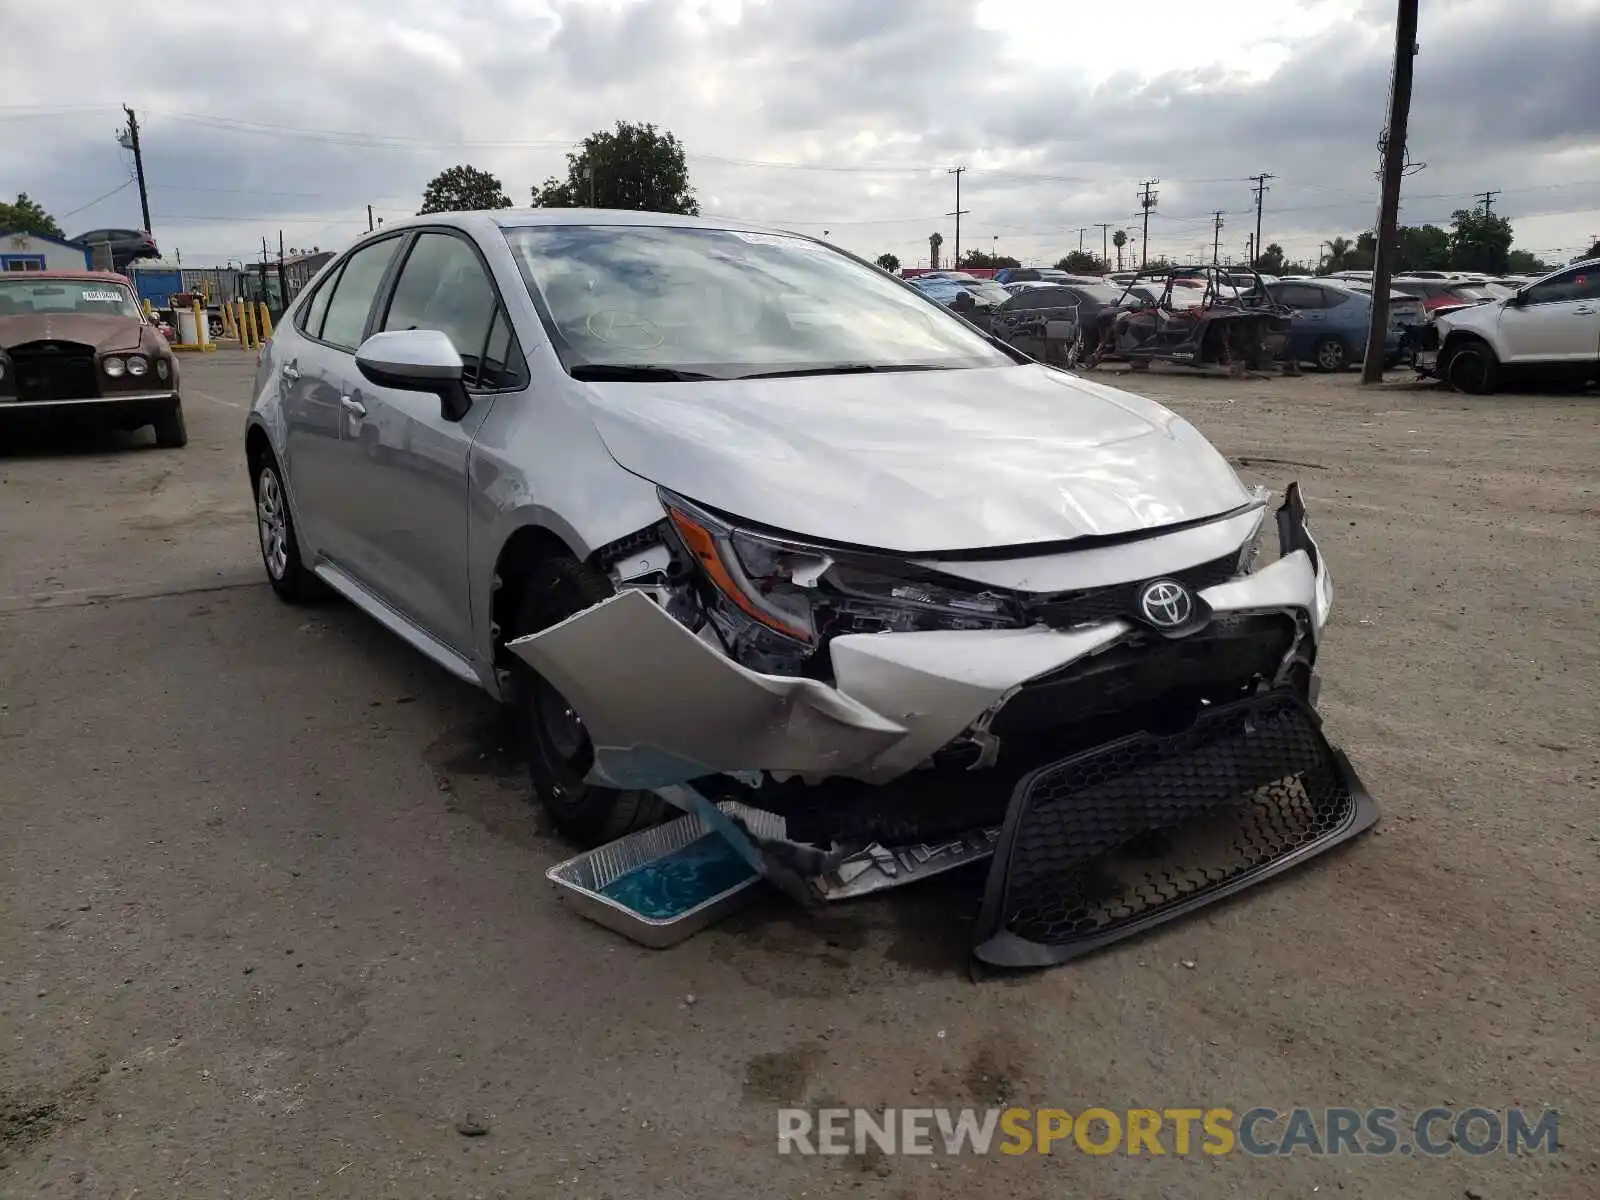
x: 78, y: 341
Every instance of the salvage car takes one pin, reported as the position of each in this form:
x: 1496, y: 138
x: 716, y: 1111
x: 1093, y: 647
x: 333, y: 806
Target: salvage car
x: 1550, y: 330
x: 1328, y: 323
x: 916, y: 598
x: 1202, y: 318
x: 78, y: 343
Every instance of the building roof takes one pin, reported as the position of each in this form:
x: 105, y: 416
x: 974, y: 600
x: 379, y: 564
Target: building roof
x: 99, y: 276
x: 43, y: 237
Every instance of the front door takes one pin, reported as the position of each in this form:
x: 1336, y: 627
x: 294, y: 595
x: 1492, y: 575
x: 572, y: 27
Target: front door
x: 1558, y: 320
x: 409, y: 518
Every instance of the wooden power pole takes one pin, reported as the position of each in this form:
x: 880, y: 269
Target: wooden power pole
x: 1394, y: 163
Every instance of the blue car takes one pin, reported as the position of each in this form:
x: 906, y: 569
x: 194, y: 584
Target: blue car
x: 1328, y: 327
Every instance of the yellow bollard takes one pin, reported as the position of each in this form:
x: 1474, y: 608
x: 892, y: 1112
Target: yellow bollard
x: 149, y: 310
x: 202, y: 327
x: 228, y: 329
x: 266, y: 321
x: 252, y: 337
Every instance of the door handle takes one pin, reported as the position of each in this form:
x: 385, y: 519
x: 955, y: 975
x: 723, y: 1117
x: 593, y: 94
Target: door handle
x: 354, y: 407
x: 290, y: 372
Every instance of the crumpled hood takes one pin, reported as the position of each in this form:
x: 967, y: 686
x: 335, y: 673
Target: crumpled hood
x: 924, y: 461
x: 104, y: 331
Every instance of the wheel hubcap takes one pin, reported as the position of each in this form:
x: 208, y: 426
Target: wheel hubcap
x: 1332, y: 356
x: 273, y: 519
x: 562, y: 726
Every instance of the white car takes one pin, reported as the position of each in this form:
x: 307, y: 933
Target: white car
x: 1548, y: 330
x: 909, y: 597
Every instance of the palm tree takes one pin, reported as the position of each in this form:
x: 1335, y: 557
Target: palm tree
x: 1338, y: 255
x: 934, y: 242
x: 1119, y: 239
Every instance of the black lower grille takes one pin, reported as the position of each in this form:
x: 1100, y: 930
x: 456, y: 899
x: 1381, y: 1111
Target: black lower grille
x: 1094, y: 606
x: 54, y: 371
x: 1114, y: 840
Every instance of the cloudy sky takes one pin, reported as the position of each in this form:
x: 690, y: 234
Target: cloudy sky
x: 836, y: 115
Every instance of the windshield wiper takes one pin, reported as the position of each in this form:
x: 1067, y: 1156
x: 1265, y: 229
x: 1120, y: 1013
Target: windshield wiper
x: 841, y: 369
x: 635, y: 373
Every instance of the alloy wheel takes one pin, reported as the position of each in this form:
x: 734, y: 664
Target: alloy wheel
x: 273, y: 520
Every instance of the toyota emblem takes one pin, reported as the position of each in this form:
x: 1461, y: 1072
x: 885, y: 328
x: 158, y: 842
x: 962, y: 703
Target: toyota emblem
x: 1166, y: 604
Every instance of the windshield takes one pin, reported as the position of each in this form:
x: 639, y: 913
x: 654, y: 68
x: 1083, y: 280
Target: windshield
x: 20, y: 297
x: 988, y: 291
x: 723, y: 304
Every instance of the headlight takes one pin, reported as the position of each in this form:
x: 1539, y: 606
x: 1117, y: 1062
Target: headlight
x: 113, y: 367
x: 769, y: 594
x: 162, y: 370
x: 137, y: 365
x: 807, y: 592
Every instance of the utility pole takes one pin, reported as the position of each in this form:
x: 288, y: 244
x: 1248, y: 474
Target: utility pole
x: 129, y: 139
x: 1081, y: 232
x: 955, y: 260
x: 283, y: 283
x: 369, y: 218
x: 1216, y: 236
x: 1105, y: 243
x: 1147, y: 201
x: 1394, y: 163
x: 1488, y: 202
x: 1260, y: 193
x: 1250, y: 249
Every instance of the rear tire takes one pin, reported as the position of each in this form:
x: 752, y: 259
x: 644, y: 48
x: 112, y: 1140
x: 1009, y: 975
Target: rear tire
x: 559, y: 750
x: 1330, y: 354
x: 1472, y: 368
x: 171, y: 433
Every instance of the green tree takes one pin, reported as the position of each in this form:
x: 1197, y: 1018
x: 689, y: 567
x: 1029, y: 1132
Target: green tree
x: 1119, y: 239
x: 27, y: 216
x: 1366, y: 251
x: 1593, y: 251
x: 463, y: 189
x: 633, y: 167
x: 889, y: 263
x: 1081, y: 262
x: 1340, y: 251
x: 983, y: 259
x: 1525, y: 262
x: 1421, y: 248
x: 935, y: 240
x: 1479, y: 241
x: 1272, y: 262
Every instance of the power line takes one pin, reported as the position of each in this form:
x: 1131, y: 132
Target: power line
x: 126, y: 183
x: 1488, y: 201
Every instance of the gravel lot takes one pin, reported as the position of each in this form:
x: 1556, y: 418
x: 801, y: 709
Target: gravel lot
x: 275, y: 924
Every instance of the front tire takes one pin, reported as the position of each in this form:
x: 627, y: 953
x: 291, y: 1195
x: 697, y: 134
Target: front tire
x: 1473, y: 369
x: 559, y: 750
x: 280, y: 548
x: 171, y: 433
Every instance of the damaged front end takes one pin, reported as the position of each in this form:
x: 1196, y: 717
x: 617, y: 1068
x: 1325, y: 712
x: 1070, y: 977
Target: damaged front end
x: 900, y: 717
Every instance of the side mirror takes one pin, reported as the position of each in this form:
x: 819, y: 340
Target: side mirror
x: 417, y: 360
x: 1517, y: 299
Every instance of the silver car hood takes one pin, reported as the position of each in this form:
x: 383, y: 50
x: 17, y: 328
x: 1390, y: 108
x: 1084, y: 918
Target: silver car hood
x: 924, y: 461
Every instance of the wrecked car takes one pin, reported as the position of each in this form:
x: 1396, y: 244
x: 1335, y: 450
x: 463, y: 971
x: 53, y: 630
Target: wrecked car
x: 1202, y: 317
x: 735, y: 521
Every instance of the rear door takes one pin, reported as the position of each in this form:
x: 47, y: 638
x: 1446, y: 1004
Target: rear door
x: 410, y: 521
x: 315, y: 375
x: 1557, y: 322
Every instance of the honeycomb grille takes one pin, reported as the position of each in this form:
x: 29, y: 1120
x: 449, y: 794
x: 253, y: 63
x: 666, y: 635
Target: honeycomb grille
x: 1095, y: 606
x: 1102, y: 844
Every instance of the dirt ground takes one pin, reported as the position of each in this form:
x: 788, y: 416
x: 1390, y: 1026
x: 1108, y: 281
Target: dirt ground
x: 274, y: 921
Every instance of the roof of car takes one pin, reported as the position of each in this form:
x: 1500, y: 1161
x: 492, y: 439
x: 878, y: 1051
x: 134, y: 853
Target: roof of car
x: 520, y: 218
x: 99, y: 276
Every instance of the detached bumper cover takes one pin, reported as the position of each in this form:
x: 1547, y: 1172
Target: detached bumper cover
x: 1118, y: 839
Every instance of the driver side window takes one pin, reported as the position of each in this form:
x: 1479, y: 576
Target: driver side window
x: 444, y: 286
x: 1580, y: 283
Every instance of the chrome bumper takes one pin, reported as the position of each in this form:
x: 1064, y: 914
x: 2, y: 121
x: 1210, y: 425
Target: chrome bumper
x: 12, y: 404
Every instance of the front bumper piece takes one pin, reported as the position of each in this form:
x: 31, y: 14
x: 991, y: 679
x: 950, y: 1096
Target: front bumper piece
x: 1110, y: 842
